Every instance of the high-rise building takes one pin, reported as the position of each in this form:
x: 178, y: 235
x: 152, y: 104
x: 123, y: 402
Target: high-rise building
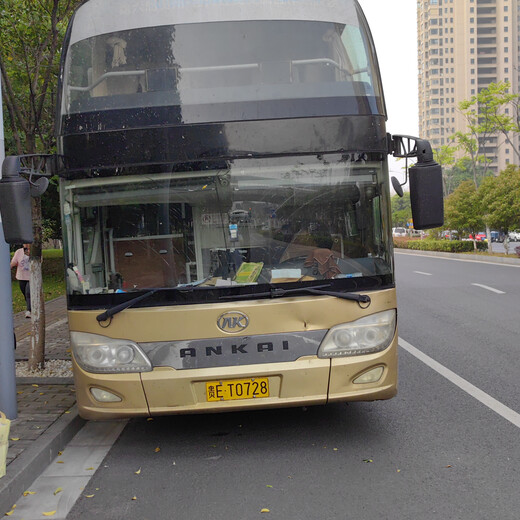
x: 464, y: 45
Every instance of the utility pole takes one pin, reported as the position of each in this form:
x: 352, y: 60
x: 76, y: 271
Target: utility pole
x: 7, y: 362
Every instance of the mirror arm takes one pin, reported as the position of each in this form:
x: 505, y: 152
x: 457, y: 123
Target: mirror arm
x: 404, y: 147
x: 39, y: 167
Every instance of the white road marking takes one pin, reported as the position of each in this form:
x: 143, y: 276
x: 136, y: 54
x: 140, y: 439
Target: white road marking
x: 499, y: 408
x: 488, y: 288
x: 65, y: 479
x: 424, y: 274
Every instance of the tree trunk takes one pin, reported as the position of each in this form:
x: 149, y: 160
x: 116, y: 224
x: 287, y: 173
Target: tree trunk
x: 37, y: 350
x: 488, y: 236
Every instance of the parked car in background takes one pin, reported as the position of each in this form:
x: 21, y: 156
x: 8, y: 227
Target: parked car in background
x: 514, y: 236
x: 399, y: 232
x: 497, y: 236
x: 450, y: 234
x: 479, y: 237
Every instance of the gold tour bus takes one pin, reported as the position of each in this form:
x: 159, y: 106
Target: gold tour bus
x: 225, y: 200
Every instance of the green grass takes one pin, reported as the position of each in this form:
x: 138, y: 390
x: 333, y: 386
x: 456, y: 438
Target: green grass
x: 53, y: 279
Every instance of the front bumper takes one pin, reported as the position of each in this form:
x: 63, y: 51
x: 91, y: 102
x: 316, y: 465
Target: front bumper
x: 306, y: 381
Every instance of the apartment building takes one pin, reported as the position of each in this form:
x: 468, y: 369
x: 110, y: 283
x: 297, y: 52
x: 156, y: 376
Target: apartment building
x: 463, y: 46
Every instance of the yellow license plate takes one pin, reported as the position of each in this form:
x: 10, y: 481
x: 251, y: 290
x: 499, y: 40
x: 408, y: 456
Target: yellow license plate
x: 253, y: 388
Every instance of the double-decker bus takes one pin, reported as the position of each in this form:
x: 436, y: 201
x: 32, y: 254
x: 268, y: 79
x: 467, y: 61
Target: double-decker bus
x: 226, y: 206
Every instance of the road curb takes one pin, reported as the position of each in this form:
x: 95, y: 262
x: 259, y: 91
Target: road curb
x: 22, y: 472
x: 44, y: 380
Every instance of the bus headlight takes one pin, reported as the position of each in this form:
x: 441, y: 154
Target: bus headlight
x: 364, y: 336
x: 101, y: 355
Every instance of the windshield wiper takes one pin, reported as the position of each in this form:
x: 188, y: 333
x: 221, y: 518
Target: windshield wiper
x: 275, y: 292
x: 104, y: 316
x: 319, y: 290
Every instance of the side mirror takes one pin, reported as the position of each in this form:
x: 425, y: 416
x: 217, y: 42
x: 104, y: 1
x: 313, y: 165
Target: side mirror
x: 16, y: 192
x: 397, y: 187
x: 426, y: 194
x: 15, y: 203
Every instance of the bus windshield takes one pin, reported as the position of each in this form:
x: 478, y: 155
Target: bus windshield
x: 240, y: 62
x: 243, y: 222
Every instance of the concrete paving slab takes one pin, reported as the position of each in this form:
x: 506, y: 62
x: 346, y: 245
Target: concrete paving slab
x: 51, y: 494
x: 58, y: 487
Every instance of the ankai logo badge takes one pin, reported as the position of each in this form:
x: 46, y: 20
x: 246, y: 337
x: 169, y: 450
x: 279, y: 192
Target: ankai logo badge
x: 232, y: 322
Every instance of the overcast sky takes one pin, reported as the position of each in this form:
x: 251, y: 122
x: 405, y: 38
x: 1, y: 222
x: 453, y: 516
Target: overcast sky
x: 394, y: 28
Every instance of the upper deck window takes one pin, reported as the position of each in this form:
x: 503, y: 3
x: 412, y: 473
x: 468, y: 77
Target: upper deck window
x: 218, y: 63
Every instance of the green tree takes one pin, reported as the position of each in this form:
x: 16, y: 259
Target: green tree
x: 498, y: 112
x: 469, y: 143
x: 463, y: 210
x: 500, y: 199
x: 401, y: 210
x: 31, y: 32
x: 445, y: 156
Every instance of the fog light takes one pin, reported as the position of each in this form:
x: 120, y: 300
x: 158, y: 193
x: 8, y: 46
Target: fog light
x: 372, y: 376
x: 104, y: 396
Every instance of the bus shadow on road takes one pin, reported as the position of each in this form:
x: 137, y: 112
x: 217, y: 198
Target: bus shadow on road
x: 286, y: 426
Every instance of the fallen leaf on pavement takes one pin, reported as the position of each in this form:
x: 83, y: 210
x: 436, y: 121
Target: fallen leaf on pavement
x: 9, y: 513
x: 138, y: 472
x: 25, y: 493
x: 265, y: 510
x: 157, y: 450
x: 59, y: 490
x: 49, y: 513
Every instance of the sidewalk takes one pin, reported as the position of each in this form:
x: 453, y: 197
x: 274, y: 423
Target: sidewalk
x: 47, y: 416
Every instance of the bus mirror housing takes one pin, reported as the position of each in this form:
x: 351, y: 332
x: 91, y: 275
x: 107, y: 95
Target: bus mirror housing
x: 426, y: 193
x: 16, y: 192
x: 15, y: 203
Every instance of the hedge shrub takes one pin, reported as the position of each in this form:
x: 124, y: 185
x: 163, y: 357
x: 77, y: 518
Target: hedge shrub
x: 446, y: 246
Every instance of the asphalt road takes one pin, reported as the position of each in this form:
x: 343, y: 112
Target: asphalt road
x: 435, y: 451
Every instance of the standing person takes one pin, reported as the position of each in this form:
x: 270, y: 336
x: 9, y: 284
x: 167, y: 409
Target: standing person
x: 21, y: 262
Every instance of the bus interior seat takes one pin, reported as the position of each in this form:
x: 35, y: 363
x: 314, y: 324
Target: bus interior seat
x: 117, y: 85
